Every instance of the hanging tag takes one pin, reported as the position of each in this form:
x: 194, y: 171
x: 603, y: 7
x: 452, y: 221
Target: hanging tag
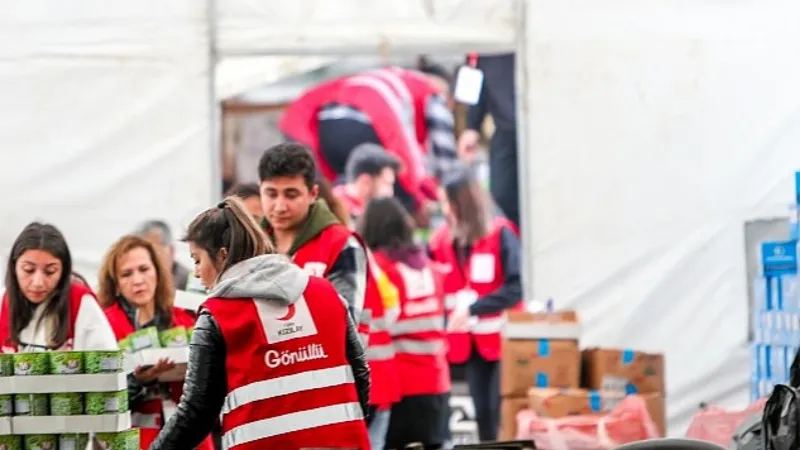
x: 469, y: 83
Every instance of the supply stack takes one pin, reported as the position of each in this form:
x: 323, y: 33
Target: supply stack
x: 776, y: 310
x: 544, y: 372
x: 58, y: 400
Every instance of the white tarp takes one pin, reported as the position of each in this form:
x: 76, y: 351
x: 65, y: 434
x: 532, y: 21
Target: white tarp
x: 106, y: 118
x: 238, y: 75
x: 256, y: 27
x: 655, y: 130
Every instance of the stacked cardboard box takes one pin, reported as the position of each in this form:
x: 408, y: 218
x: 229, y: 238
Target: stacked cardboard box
x: 541, y: 350
x: 608, y: 375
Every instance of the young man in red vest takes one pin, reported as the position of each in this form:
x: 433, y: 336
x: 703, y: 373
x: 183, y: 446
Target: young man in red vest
x: 371, y: 173
x: 304, y: 228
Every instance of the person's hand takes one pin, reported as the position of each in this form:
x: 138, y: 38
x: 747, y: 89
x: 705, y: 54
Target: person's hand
x: 458, y: 320
x: 149, y: 374
x: 468, y: 145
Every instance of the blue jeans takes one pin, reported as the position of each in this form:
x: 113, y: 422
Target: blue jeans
x: 378, y: 428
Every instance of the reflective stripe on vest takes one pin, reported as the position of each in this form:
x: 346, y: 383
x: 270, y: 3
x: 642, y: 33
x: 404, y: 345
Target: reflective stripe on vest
x: 140, y: 420
x: 415, y: 347
x: 380, y: 352
x: 364, y: 326
x: 488, y: 325
x: 422, y: 324
x: 289, y: 384
x: 288, y: 423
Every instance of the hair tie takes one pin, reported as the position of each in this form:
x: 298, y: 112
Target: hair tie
x: 221, y: 205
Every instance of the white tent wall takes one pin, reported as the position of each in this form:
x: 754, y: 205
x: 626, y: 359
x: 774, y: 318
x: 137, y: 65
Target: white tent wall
x: 107, y: 118
x: 655, y: 130
x: 255, y: 27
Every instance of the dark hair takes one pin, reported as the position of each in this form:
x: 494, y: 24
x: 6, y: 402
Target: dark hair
x: 386, y: 225
x: 428, y: 67
x: 108, y: 291
x: 228, y: 226
x: 469, y: 203
x: 244, y: 191
x: 370, y: 159
x: 288, y: 159
x: 39, y: 236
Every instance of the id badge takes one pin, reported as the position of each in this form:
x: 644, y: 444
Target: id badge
x: 469, y: 83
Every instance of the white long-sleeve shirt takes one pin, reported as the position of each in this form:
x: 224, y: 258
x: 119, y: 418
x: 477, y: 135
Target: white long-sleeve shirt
x: 92, y: 330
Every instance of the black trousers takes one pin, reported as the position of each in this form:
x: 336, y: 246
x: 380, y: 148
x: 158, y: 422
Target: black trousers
x: 422, y: 419
x: 338, y: 138
x: 483, y: 378
x: 503, y: 177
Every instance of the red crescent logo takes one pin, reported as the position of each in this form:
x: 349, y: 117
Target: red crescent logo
x: 289, y: 313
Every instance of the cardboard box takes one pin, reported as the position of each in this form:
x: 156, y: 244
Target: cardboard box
x: 509, y: 408
x: 560, y: 325
x: 623, y: 370
x: 539, y: 350
x: 106, y: 423
x: 52, y: 384
x: 150, y: 356
x: 556, y: 403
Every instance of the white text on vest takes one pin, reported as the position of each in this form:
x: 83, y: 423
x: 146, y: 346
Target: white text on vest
x: 274, y: 358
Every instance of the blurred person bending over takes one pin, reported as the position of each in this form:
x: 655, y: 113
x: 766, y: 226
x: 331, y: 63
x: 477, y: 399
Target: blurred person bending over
x: 418, y: 334
x: 370, y: 174
x: 274, y: 353
x: 302, y: 227
x: 480, y: 256
x: 136, y: 292
x: 160, y: 235
x: 401, y: 110
x: 498, y: 99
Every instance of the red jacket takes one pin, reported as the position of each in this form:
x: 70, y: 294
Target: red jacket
x: 421, y: 89
x: 76, y: 293
x: 375, y: 95
x: 147, y: 415
x: 317, y: 256
x: 418, y: 334
x: 481, y: 275
x: 288, y: 391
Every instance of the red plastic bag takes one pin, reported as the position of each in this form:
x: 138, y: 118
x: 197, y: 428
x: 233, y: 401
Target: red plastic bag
x: 717, y: 425
x: 629, y: 421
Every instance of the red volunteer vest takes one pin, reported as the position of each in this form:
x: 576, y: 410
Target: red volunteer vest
x: 290, y: 385
x: 421, y: 89
x: 418, y: 334
x: 375, y: 98
x: 483, y: 274
x: 76, y: 293
x: 317, y: 257
x: 147, y: 415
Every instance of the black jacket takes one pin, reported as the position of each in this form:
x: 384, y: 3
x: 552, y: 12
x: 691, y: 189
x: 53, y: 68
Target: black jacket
x: 206, y: 384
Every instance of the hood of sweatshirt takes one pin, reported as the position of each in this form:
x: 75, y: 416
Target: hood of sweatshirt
x: 269, y: 277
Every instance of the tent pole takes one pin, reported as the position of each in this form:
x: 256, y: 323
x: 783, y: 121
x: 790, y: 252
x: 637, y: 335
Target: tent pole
x: 215, y: 144
x: 524, y: 148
